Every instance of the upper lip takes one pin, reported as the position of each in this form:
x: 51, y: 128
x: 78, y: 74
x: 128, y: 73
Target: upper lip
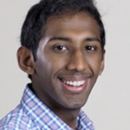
x: 74, y: 78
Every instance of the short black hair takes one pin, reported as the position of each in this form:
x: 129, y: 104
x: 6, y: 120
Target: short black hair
x: 33, y: 27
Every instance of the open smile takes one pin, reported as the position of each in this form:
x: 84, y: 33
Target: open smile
x: 75, y: 86
x: 74, y: 83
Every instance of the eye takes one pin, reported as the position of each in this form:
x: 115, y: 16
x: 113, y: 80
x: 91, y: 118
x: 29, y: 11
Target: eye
x: 90, y: 48
x: 60, y: 48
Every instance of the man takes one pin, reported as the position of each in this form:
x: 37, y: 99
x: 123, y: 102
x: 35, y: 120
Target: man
x: 62, y: 51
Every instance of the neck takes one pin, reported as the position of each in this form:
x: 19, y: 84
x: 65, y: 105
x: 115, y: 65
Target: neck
x: 67, y: 116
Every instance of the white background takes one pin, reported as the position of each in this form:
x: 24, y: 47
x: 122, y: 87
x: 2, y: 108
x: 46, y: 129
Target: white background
x: 109, y: 103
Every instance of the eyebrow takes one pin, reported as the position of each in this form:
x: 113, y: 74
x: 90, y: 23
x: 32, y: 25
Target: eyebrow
x: 93, y: 39
x: 68, y: 39
x: 60, y: 38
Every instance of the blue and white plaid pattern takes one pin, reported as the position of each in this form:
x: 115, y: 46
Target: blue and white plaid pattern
x: 32, y: 114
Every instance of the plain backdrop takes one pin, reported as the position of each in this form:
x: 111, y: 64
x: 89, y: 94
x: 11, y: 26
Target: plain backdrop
x: 109, y: 103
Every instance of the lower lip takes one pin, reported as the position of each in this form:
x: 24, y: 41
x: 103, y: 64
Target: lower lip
x: 73, y: 88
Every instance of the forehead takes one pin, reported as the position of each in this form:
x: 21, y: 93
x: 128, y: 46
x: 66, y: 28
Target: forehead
x: 76, y: 25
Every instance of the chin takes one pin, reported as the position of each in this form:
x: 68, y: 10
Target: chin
x: 75, y: 105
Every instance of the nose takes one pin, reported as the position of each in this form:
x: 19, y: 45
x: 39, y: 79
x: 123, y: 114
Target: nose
x: 77, y: 61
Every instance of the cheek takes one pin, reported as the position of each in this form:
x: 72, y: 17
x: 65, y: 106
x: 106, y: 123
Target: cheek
x: 95, y: 64
x: 56, y: 62
x: 52, y: 65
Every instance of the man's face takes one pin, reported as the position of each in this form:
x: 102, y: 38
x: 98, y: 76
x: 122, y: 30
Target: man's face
x: 69, y: 60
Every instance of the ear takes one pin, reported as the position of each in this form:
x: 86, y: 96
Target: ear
x: 102, y: 62
x: 25, y: 60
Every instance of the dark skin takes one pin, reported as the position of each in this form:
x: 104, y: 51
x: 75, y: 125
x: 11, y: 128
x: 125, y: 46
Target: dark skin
x: 70, y: 50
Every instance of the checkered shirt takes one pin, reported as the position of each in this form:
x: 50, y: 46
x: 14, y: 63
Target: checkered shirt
x: 32, y: 114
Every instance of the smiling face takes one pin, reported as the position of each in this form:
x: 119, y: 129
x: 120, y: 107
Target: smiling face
x: 69, y: 60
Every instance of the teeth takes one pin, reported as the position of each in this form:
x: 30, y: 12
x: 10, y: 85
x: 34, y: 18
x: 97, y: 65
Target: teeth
x: 75, y: 83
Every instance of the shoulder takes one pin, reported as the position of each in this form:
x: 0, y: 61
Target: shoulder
x: 16, y: 120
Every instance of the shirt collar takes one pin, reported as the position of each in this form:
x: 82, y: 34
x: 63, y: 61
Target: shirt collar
x: 44, y: 117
